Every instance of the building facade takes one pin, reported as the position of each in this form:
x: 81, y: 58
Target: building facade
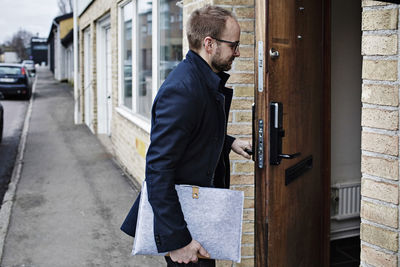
x: 128, y: 47
x: 60, y: 48
x: 127, y: 50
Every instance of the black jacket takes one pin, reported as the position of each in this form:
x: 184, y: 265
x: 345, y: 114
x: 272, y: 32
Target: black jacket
x: 188, y: 145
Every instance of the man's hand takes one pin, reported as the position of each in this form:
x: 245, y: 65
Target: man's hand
x: 189, y: 253
x: 239, y: 146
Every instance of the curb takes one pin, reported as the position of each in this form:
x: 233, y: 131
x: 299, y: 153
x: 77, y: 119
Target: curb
x: 9, y: 197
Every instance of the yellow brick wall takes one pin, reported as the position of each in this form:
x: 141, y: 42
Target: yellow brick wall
x: 242, y: 81
x: 380, y: 134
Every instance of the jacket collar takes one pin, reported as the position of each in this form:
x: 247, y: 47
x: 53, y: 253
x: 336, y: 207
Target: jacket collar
x: 215, y: 81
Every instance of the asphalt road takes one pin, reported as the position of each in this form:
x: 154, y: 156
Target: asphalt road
x: 14, y: 116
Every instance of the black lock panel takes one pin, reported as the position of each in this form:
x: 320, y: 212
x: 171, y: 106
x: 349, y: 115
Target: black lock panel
x: 276, y: 134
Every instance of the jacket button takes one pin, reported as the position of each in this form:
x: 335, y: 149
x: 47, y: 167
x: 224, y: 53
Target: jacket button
x: 158, y: 242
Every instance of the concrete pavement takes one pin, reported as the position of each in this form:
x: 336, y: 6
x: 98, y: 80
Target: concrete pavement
x: 71, y: 197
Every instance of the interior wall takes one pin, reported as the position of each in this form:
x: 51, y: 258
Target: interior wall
x: 346, y: 92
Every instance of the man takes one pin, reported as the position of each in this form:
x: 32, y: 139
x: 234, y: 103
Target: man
x: 189, y: 144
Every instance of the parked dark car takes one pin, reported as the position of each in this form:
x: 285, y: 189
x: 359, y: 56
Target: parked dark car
x: 15, y: 81
x: 29, y: 66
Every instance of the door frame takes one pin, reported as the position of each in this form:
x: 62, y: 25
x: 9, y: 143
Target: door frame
x: 261, y: 98
x: 88, y: 78
x: 104, y: 112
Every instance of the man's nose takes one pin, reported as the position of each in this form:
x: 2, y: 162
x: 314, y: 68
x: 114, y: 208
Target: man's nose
x: 237, y: 52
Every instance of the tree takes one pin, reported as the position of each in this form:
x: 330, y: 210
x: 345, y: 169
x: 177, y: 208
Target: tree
x: 65, y: 6
x: 20, y: 42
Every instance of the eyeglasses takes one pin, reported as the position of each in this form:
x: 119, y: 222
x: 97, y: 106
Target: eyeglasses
x: 233, y: 45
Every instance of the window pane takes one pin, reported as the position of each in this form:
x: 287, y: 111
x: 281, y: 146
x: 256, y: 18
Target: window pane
x: 40, y: 47
x: 170, y: 37
x: 144, y: 90
x: 127, y: 54
x: 10, y: 70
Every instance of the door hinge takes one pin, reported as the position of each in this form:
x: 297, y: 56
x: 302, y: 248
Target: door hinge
x: 260, y: 66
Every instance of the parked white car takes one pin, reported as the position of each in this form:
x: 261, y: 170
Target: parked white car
x: 29, y: 66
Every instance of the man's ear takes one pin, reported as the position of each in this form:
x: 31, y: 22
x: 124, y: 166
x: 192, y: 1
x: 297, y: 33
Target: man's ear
x: 208, y: 43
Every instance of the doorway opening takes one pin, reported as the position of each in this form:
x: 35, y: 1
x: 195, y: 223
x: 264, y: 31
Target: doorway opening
x: 346, y: 63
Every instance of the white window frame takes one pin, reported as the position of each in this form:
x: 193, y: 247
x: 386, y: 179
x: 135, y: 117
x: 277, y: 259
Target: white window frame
x: 131, y: 114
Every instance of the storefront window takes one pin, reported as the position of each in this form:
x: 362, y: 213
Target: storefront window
x: 138, y: 78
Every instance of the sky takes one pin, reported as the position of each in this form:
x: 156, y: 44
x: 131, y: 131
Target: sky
x: 34, y: 16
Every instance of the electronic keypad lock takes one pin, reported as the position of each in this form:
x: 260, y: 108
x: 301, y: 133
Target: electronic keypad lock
x: 276, y: 134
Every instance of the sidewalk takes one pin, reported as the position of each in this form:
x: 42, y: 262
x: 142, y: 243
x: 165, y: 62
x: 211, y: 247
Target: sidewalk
x: 71, y: 198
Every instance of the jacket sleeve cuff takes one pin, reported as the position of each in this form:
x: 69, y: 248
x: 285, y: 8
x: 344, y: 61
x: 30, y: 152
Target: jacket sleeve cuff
x: 228, y: 142
x: 176, y: 240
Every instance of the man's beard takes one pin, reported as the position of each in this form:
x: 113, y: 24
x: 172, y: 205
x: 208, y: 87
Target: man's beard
x: 221, y: 65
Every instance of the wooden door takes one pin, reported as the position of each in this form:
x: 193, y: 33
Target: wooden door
x: 292, y: 210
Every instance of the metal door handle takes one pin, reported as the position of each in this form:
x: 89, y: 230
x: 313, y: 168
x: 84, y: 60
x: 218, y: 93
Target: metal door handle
x: 274, y: 54
x: 248, y: 151
x: 289, y: 156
